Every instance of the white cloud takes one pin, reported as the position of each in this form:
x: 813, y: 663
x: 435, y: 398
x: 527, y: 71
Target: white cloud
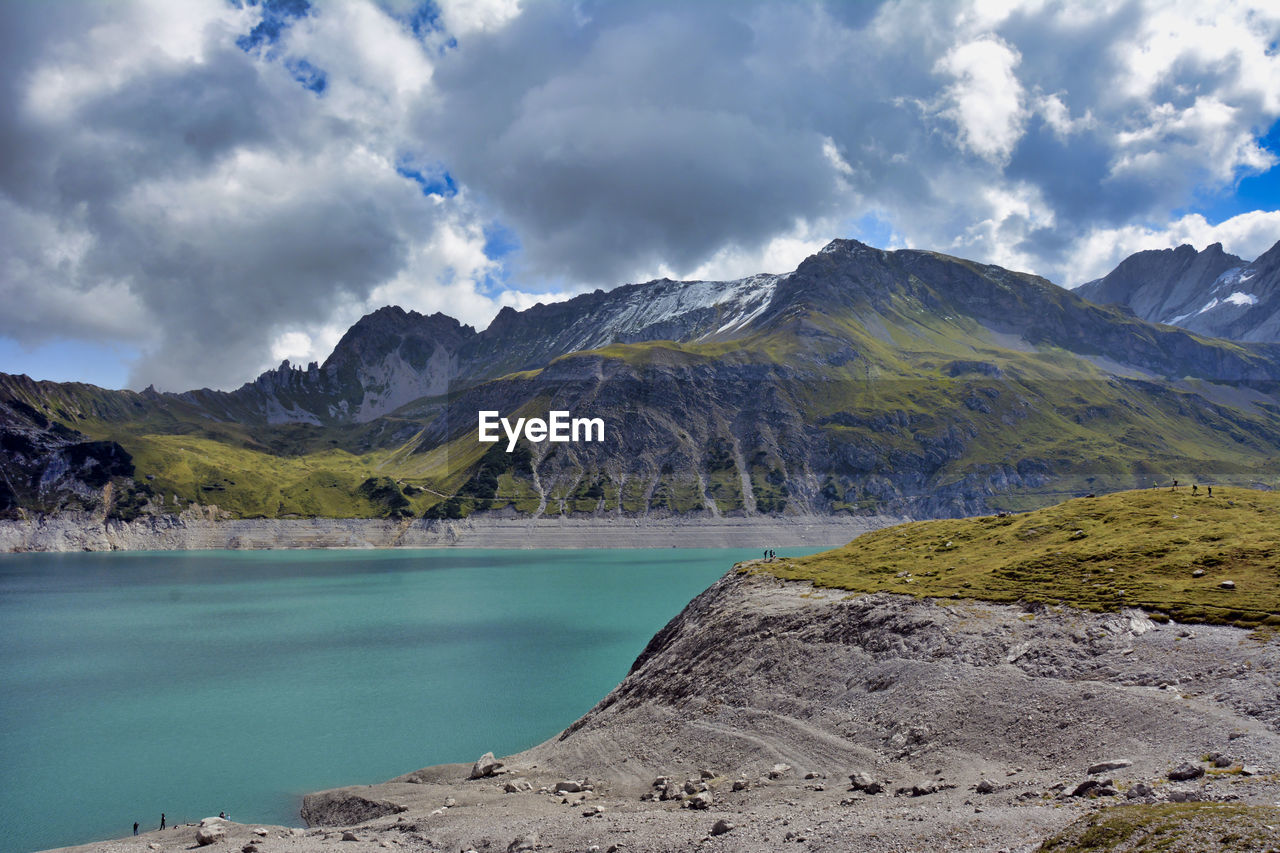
x: 1246, y: 235
x: 161, y: 186
x: 985, y: 99
x: 463, y: 17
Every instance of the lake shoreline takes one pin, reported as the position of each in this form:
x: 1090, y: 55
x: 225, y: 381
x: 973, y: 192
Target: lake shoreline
x: 191, y: 531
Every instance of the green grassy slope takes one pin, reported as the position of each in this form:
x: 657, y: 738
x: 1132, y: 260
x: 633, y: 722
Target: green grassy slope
x: 1165, y: 551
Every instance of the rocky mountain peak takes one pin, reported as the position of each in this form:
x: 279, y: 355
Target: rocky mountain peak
x: 1212, y: 292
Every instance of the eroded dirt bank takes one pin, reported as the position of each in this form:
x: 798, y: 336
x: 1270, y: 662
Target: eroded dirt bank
x: 973, y: 726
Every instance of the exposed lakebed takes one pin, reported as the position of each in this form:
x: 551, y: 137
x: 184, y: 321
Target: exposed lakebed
x: 196, y: 682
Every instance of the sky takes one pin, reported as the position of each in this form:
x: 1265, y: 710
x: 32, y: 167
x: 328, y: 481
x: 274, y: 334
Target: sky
x: 194, y: 190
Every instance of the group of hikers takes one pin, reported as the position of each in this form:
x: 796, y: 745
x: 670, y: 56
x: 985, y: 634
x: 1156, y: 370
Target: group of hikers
x: 222, y: 815
x: 1195, y: 488
x: 768, y: 554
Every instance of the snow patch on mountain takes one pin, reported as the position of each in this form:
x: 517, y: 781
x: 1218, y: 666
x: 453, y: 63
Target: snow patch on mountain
x: 732, y: 304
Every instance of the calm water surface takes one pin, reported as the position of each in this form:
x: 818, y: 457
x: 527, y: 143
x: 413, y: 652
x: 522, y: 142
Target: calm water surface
x: 197, y: 682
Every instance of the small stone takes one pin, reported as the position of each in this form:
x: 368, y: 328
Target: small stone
x: 707, y: 774
x: 1222, y: 761
x: 661, y: 781
x: 1227, y: 585
x: 592, y: 811
x: 249, y: 848
x: 450, y: 802
x: 260, y: 832
x: 1250, y: 770
x: 517, y: 786
x: 568, y: 786
x: 986, y: 786
x: 741, y: 784
x: 1107, y: 766
x: 779, y: 770
x: 811, y: 775
x: 1186, y: 771
x: 721, y: 826
x: 349, y: 836
x: 524, y: 842
x: 1198, y: 573
x: 485, y: 765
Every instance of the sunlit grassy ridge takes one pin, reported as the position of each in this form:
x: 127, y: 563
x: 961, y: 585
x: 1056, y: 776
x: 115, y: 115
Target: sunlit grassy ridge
x: 1129, y: 549
x: 1170, y: 826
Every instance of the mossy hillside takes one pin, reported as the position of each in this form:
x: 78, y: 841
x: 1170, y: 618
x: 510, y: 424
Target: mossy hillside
x: 1129, y: 549
x: 1168, y: 827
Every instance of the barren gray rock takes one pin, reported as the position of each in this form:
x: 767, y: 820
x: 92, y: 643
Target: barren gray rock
x: 1107, y: 766
x: 1186, y: 771
x: 486, y: 765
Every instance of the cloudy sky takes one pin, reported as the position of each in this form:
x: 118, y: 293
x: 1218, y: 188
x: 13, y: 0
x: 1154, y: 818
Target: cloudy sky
x: 192, y: 190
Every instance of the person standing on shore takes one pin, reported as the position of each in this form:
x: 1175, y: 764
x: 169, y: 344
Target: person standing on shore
x: 162, y: 820
x: 135, y: 827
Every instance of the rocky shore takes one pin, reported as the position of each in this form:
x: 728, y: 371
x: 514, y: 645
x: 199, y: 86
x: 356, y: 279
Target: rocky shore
x: 769, y: 715
x: 204, y: 530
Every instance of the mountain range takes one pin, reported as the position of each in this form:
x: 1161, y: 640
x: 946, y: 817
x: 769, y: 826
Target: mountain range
x: 864, y: 381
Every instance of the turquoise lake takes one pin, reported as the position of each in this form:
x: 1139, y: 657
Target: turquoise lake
x: 197, y: 682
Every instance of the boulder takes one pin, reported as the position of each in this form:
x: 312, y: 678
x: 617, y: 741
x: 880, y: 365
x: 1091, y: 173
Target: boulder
x: 568, y: 786
x: 349, y: 836
x: 211, y: 834
x: 1140, y: 790
x: 1109, y: 765
x: 864, y: 782
x: 1186, y: 771
x: 779, y: 770
x: 344, y: 808
x: 741, y: 784
x: 486, y: 765
x: 721, y: 826
x: 986, y: 786
x: 700, y: 800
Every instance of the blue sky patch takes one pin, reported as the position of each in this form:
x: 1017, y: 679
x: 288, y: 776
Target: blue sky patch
x: 436, y: 181
x: 871, y: 229
x: 277, y: 16
x: 499, y: 241
x: 308, y: 75
x: 69, y: 360
x: 1252, y: 192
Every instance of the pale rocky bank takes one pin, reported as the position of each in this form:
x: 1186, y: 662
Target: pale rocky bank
x: 772, y: 716
x: 203, y: 530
